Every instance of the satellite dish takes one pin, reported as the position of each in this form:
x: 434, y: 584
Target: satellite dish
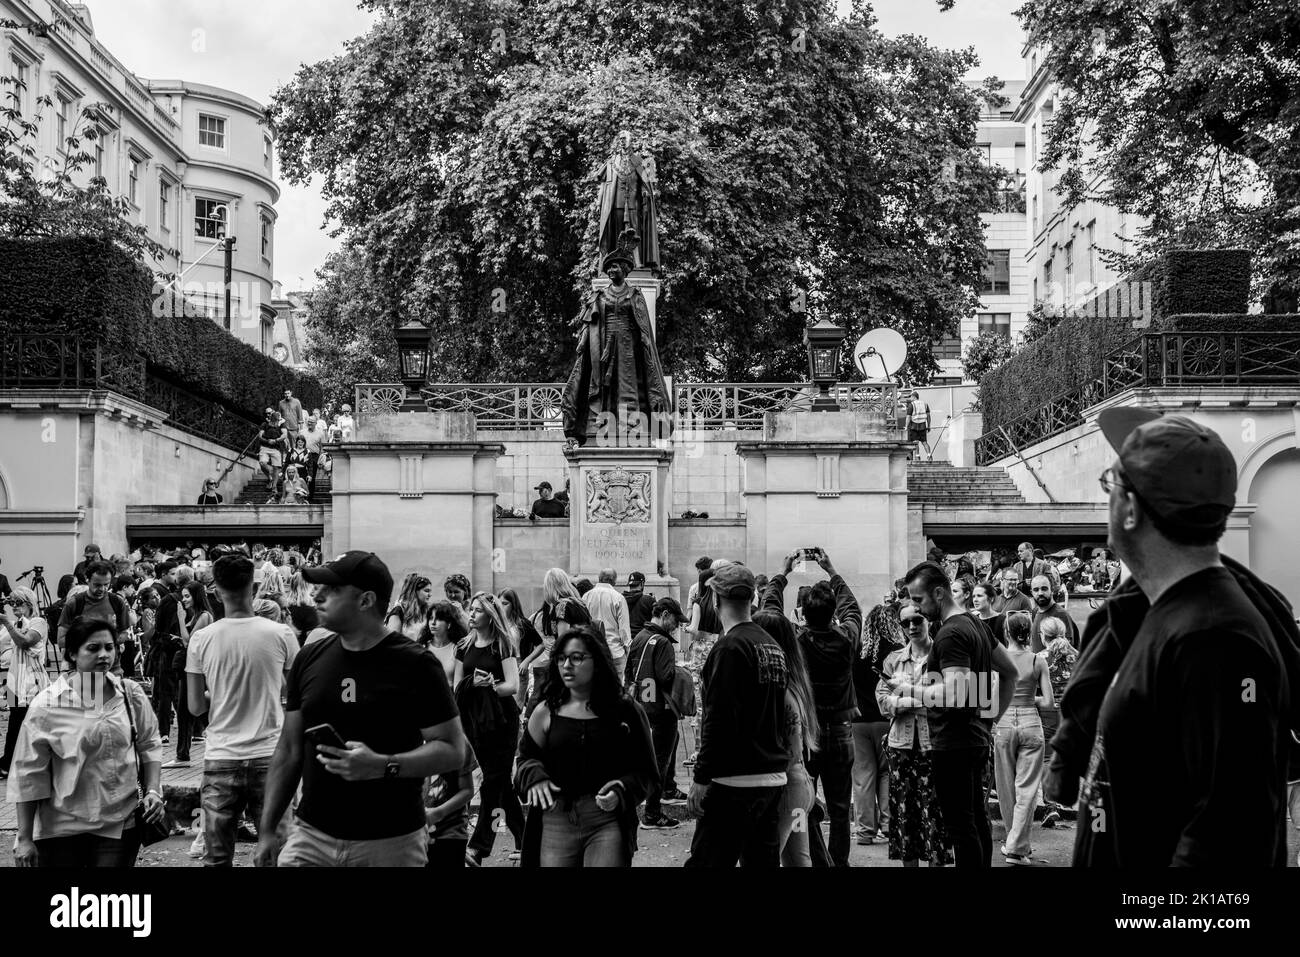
x: 880, y: 351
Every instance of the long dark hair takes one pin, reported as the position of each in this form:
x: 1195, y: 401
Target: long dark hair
x: 606, y: 691
x: 200, y: 596
x: 800, y: 683
x: 710, y: 622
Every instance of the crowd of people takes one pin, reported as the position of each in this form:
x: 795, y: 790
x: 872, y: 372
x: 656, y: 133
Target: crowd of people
x: 350, y: 716
x: 291, y: 450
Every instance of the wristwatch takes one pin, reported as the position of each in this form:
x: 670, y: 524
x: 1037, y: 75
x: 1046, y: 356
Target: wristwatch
x: 392, y: 769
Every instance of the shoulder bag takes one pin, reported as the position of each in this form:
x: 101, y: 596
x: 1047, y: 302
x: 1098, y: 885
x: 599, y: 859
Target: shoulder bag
x: 151, y: 832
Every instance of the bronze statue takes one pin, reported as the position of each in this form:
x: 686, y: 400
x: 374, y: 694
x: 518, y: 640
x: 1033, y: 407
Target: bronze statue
x: 616, y: 392
x: 628, y: 201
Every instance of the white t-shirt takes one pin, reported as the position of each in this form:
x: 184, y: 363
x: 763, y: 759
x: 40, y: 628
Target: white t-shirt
x: 244, y: 661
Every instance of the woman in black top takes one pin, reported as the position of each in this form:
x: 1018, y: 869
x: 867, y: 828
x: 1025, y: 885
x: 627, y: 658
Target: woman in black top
x: 586, y: 761
x: 210, y: 495
x: 486, y: 682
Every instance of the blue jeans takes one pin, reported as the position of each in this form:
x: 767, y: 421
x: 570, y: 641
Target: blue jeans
x: 663, y: 731
x: 580, y: 834
x: 229, y: 788
x: 833, y: 763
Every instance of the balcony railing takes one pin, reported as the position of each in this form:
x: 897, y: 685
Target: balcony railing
x: 1155, y: 360
x: 51, y: 361
x: 501, y: 406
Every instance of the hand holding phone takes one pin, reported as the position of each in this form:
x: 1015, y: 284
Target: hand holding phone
x: 326, y: 735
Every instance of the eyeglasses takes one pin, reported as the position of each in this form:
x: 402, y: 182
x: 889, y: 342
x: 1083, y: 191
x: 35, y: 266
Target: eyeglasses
x: 574, y: 659
x: 1109, y: 479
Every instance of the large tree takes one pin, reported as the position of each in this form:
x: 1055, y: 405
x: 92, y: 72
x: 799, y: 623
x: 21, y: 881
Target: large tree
x: 1186, y: 112
x: 807, y: 166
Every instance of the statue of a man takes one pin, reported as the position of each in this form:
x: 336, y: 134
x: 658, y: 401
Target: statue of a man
x: 617, y: 386
x: 627, y: 200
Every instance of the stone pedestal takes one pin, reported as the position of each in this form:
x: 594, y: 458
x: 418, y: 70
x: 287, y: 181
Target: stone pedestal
x: 618, y: 514
x: 963, y: 430
x: 644, y: 280
x: 833, y: 480
x: 417, y: 489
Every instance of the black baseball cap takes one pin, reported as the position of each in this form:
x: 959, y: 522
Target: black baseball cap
x: 1182, y: 470
x: 363, y: 570
x: 636, y: 578
x: 733, y: 581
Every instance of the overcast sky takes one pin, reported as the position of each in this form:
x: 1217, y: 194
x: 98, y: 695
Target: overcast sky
x: 253, y: 46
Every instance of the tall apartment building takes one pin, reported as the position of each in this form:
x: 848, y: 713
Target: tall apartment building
x: 194, y: 161
x: 1063, y: 256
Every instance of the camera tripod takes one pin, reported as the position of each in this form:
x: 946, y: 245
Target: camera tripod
x: 38, y: 585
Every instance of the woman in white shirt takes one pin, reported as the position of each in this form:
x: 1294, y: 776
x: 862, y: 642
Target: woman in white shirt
x: 24, y: 643
x: 79, y: 757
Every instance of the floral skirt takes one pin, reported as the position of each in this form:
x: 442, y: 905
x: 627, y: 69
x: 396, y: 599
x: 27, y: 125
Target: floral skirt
x: 915, y: 824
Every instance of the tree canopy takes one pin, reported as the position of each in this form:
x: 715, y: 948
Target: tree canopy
x: 807, y: 167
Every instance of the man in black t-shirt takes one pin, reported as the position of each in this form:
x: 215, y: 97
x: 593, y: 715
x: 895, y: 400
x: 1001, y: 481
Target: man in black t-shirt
x: 545, y: 506
x: 640, y: 606
x: 959, y: 701
x: 740, y: 771
x: 1188, y: 766
x: 388, y: 702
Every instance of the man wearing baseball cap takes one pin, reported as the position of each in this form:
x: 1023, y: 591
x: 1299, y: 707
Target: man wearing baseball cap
x: 388, y: 703
x: 651, y: 669
x: 1193, y: 721
x: 545, y: 506
x: 740, y: 770
x: 640, y: 606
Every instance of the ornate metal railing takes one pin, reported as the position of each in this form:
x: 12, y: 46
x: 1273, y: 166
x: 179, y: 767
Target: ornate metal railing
x: 503, y: 406
x: 53, y: 361
x: 1148, y: 361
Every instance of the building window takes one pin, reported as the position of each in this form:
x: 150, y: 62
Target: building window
x: 1069, y: 271
x: 1092, y: 253
x: 61, y: 120
x: 164, y: 205
x: 948, y: 348
x: 985, y: 151
x: 266, y: 239
x: 266, y: 151
x: 1035, y: 209
x: 1047, y: 278
x: 133, y: 180
x: 209, y: 219
x: 266, y: 337
x: 99, y: 154
x: 997, y: 273
x: 23, y: 74
x: 212, y: 131
x: 1033, y: 142
x: 996, y: 322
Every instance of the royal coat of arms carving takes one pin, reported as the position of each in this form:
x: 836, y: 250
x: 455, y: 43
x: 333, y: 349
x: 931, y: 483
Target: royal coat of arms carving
x: 618, y: 496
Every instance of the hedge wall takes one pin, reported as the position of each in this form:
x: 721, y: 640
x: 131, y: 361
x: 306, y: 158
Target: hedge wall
x: 98, y: 292
x: 1192, y: 290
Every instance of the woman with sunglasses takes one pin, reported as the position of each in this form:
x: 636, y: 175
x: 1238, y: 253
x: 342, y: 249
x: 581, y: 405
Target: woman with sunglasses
x: 585, y: 762
x: 486, y: 682
x: 915, y: 825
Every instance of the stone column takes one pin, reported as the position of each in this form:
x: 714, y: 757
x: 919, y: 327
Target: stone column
x: 418, y: 489
x: 833, y: 480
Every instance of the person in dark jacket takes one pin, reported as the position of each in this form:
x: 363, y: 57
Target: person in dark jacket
x: 830, y: 641
x: 640, y: 606
x: 1197, y: 686
x: 651, y: 669
x: 740, y: 771
x: 585, y: 761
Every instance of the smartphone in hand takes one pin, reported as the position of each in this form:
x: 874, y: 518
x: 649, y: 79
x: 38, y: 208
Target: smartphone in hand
x: 326, y: 735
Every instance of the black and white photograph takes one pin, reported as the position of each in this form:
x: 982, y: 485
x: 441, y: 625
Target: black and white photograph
x: 685, y: 434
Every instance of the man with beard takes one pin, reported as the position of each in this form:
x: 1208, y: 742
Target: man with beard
x: 1192, y: 678
x: 1045, y: 606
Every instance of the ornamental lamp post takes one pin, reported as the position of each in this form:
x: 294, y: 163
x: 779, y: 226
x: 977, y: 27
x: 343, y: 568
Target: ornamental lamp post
x: 413, y: 353
x: 824, y: 339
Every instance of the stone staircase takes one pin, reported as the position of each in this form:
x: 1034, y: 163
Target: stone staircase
x: 939, y: 483
x: 258, y: 490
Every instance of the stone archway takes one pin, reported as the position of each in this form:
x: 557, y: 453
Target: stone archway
x: 1275, y: 525
x: 4, y: 491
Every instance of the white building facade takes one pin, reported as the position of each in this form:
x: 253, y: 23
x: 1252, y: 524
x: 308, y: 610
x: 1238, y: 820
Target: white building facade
x: 195, y: 162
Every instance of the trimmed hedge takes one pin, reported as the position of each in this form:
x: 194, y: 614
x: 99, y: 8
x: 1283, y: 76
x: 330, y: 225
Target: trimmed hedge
x: 99, y: 293
x: 1192, y: 290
